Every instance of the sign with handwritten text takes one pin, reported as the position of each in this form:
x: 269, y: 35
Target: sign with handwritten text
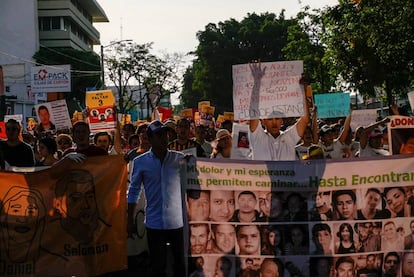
x: 332, y: 105
x: 277, y: 93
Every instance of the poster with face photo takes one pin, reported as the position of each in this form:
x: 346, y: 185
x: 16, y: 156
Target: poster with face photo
x: 241, y: 142
x: 101, y: 107
x: 317, y: 218
x: 52, y: 116
x: 401, y: 135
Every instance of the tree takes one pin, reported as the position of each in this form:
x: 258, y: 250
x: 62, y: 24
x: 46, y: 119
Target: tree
x: 304, y: 43
x: 228, y: 43
x: 85, y: 68
x: 370, y: 44
x: 133, y: 64
x: 189, y: 96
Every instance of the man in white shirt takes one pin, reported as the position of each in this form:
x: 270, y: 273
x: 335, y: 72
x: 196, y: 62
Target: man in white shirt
x: 268, y: 141
x: 371, y: 142
x: 335, y: 148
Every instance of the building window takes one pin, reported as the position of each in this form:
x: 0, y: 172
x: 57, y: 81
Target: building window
x: 52, y: 23
x: 66, y: 24
x: 56, y: 23
x: 45, y: 24
x: 9, y: 109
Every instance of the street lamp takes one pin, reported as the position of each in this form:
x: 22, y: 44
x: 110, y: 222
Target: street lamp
x: 102, y: 58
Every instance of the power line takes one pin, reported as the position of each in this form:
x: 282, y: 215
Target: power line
x: 51, y: 66
x: 67, y: 56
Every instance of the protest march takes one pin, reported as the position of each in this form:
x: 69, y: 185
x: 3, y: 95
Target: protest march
x: 286, y: 184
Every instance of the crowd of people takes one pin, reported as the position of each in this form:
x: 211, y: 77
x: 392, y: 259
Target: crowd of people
x: 155, y: 150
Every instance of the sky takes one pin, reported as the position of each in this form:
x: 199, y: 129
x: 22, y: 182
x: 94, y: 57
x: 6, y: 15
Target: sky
x: 172, y: 25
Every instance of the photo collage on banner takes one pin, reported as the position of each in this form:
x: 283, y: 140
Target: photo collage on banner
x: 361, y: 231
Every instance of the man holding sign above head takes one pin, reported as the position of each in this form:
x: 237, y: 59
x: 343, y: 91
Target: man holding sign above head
x: 268, y: 141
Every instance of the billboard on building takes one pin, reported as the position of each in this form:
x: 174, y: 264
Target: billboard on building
x: 52, y: 78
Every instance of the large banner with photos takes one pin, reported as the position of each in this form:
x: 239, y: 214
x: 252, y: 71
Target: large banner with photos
x: 65, y: 220
x: 300, y: 218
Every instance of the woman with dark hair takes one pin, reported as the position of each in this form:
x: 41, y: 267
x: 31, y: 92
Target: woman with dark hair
x: 372, y: 199
x: 322, y: 238
x: 396, y: 201
x: 47, y: 148
x: 346, y: 239
x: 272, y: 241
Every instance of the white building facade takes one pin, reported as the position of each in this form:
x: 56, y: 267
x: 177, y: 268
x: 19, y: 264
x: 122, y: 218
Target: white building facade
x: 28, y: 25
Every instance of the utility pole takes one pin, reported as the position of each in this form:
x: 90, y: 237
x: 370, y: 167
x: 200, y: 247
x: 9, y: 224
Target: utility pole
x: 102, y: 58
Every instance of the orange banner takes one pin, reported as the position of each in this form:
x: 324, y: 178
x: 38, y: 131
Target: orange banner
x: 68, y: 220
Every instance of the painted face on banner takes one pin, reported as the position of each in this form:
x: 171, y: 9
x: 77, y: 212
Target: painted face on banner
x: 22, y: 218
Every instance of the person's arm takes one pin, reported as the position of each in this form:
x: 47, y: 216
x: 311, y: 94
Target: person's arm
x: 117, y: 136
x: 345, y: 130
x: 257, y: 73
x: 363, y: 140
x: 303, y: 121
x: 134, y: 193
x: 315, y: 126
x: 131, y: 224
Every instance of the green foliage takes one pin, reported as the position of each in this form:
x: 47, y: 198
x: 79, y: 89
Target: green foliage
x: 365, y: 45
x: 85, y: 67
x: 370, y: 44
x: 228, y: 43
x: 304, y: 44
x: 134, y: 64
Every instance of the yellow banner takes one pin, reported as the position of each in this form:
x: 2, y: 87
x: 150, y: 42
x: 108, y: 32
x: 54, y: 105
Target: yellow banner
x: 229, y: 116
x: 101, y: 106
x: 186, y: 113
x: 99, y: 98
x: 68, y: 220
x: 202, y: 104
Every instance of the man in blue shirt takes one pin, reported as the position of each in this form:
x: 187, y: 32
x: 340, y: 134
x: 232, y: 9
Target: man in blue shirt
x: 159, y: 171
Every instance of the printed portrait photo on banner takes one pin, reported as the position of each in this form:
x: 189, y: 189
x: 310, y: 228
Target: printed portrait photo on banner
x: 198, y: 205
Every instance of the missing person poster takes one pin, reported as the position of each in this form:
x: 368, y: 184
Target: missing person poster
x: 401, y: 134
x: 65, y: 220
x: 300, y: 218
x: 52, y: 116
x: 101, y: 107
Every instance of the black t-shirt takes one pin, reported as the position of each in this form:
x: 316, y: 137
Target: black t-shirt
x: 20, y: 155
